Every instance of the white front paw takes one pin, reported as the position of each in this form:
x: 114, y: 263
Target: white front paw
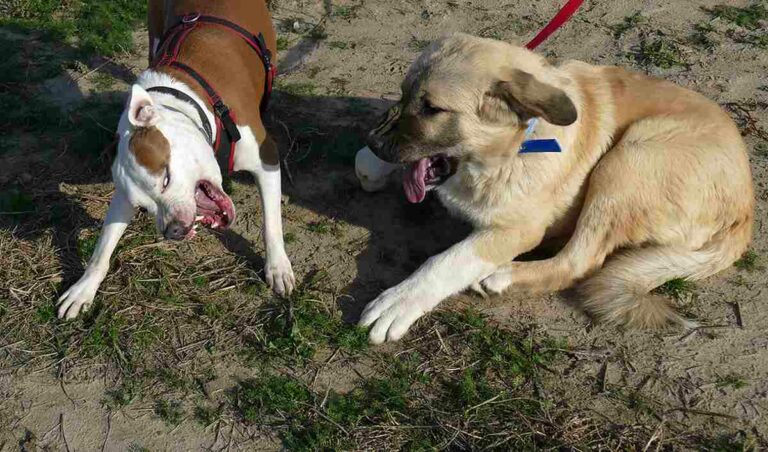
x: 394, y: 311
x: 78, y: 298
x: 279, y: 274
x: 497, y: 282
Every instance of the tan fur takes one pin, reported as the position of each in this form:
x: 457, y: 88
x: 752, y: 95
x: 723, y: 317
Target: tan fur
x: 648, y: 167
x: 151, y: 149
x: 233, y: 69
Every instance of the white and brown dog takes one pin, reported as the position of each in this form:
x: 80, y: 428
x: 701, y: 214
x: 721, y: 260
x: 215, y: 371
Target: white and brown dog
x: 646, y: 180
x: 211, y: 72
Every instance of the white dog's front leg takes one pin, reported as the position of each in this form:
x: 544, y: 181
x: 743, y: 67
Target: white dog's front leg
x: 277, y: 271
x: 80, y: 296
x: 450, y: 272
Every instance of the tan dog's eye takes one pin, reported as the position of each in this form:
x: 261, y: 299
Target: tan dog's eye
x: 430, y: 109
x: 167, y: 179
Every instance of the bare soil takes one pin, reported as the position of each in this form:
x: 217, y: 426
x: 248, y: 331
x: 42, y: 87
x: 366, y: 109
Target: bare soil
x: 714, y: 379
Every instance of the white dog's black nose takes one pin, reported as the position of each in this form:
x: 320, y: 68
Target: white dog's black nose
x: 176, y: 230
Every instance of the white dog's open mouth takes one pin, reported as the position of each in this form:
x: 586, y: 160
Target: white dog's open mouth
x: 426, y: 174
x: 214, y: 207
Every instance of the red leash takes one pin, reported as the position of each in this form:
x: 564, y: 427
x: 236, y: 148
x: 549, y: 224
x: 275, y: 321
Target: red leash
x: 562, y: 17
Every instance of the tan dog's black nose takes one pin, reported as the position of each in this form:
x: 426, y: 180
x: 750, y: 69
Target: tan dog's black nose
x: 176, y: 231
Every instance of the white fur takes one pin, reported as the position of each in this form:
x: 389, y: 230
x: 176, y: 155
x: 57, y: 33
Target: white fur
x: 191, y: 160
x: 395, y: 310
x: 277, y: 271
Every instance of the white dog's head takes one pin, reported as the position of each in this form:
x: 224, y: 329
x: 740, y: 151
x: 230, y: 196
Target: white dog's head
x: 166, y: 165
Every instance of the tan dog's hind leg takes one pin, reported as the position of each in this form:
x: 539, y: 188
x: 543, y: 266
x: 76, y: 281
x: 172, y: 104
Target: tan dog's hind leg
x: 661, y: 193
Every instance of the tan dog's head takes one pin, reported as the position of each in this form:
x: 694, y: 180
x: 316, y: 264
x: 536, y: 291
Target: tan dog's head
x: 466, y: 97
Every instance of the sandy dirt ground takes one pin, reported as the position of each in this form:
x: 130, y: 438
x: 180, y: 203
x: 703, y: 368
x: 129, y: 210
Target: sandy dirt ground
x: 334, y: 89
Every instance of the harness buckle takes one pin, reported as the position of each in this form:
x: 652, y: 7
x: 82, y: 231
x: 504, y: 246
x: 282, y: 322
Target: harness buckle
x: 221, y: 109
x: 190, y: 18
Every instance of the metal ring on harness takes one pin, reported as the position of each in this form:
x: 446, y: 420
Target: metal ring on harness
x: 190, y: 18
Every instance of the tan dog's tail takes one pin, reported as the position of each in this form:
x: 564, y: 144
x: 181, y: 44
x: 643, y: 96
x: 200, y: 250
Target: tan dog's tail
x: 620, y: 292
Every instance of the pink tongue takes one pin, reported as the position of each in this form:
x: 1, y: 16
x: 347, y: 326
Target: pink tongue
x: 413, y: 181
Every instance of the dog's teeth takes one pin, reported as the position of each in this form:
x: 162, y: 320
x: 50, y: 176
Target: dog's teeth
x: 194, y: 227
x: 199, y: 217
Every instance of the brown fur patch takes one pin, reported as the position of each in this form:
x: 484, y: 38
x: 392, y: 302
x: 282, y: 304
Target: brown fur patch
x: 529, y: 97
x: 151, y: 149
x: 268, y: 151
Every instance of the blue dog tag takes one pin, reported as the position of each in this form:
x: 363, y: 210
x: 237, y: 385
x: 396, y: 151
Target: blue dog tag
x: 540, y: 145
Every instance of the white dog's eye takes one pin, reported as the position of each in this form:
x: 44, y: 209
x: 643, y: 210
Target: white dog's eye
x: 167, y: 179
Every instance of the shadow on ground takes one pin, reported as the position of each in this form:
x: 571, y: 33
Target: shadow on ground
x: 61, y: 139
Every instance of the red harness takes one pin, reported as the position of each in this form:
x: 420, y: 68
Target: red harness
x: 227, y: 134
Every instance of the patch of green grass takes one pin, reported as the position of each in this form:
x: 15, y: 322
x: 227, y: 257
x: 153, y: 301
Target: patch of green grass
x: 731, y: 442
x: 324, y: 226
x: 627, y: 24
x: 104, y: 338
x: 15, y: 202
x: 660, y: 52
x: 206, y: 416
x: 761, y: 149
x: 212, y: 310
x: 346, y: 12
x: 498, y: 365
x: 340, y: 45
x: 731, y: 381
x: 294, y: 331
x: 121, y: 396
x: 750, y: 17
x: 171, y: 411
x: 136, y: 447
x: 270, y: 395
x: 749, y: 261
x: 46, y: 313
x: 298, y: 88
x: 102, y: 81
x: 87, y: 245
x: 283, y: 43
x: 289, y: 237
x: 94, y: 26
x: 417, y: 45
x: 702, y: 35
x: 317, y: 33
x: 677, y: 288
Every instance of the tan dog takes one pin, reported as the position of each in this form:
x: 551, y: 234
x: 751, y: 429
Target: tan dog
x: 171, y: 126
x: 653, y: 181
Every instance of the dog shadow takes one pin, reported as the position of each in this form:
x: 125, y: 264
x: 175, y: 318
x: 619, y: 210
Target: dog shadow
x: 46, y: 160
x: 57, y: 137
x: 318, y: 137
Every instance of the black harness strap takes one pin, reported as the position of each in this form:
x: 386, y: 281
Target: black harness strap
x: 182, y: 96
x: 168, y: 53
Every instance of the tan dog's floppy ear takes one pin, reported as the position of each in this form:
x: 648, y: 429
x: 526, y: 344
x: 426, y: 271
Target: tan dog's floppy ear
x: 528, y: 97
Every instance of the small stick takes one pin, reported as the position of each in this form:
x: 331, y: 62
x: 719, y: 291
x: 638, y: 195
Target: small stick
x: 109, y: 429
x: 603, y: 376
x: 737, y: 311
x: 61, y: 427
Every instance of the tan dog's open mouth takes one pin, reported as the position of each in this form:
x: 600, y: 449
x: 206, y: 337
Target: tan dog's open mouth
x: 426, y: 174
x: 214, y: 207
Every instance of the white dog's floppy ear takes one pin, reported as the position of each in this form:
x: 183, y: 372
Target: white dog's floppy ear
x: 527, y: 97
x: 141, y: 108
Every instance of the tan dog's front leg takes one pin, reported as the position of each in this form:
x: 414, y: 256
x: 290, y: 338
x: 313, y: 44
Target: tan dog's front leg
x: 80, y: 296
x: 443, y: 275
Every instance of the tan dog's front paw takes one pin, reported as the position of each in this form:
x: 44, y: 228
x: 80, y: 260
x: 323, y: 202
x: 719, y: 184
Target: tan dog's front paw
x: 279, y: 275
x: 497, y: 282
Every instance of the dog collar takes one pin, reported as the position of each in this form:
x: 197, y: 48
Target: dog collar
x: 537, y: 145
x: 184, y: 97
